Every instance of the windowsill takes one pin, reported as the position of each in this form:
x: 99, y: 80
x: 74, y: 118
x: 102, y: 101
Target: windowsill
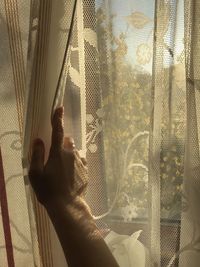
x: 164, y: 221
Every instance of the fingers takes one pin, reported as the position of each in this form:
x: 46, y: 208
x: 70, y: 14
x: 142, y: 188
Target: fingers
x: 84, y: 161
x: 79, y: 163
x: 70, y: 146
x: 57, y: 130
x: 37, y: 159
x: 69, y: 143
x: 79, y: 158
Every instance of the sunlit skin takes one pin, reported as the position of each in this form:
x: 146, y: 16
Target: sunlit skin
x: 58, y: 190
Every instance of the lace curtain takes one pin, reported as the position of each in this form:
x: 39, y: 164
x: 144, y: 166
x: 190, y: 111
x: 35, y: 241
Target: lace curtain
x: 127, y: 73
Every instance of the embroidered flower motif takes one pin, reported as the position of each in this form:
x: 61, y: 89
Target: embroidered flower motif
x: 92, y: 148
x: 95, y: 127
x: 138, y: 20
x: 89, y: 118
x: 129, y: 212
x: 143, y: 54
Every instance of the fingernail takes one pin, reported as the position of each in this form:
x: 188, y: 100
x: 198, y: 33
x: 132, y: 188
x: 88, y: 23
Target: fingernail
x: 69, y: 143
x: 71, y: 140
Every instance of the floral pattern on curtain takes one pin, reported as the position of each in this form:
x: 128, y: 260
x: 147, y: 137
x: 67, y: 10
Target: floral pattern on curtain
x: 127, y: 73
x: 15, y: 234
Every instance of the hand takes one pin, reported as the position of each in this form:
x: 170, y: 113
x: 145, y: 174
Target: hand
x: 57, y: 179
x: 58, y: 185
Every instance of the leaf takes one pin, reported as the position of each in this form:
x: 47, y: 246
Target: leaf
x: 138, y: 20
x: 91, y: 37
x: 75, y: 76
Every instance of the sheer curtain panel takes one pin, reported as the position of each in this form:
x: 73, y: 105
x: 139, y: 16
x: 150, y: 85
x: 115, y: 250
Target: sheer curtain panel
x: 127, y: 74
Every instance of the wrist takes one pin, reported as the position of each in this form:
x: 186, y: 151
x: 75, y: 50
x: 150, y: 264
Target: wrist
x: 76, y: 214
x: 76, y: 209
x: 54, y: 203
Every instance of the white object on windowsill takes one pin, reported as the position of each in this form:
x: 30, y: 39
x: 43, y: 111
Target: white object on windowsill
x: 127, y: 250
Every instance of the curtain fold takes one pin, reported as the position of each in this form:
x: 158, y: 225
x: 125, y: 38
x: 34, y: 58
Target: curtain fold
x: 15, y: 234
x: 190, y: 227
x: 48, y: 39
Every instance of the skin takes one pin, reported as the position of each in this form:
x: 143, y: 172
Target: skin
x: 62, y: 194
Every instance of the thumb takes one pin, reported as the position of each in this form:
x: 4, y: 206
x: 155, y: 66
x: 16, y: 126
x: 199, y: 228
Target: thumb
x: 37, y: 159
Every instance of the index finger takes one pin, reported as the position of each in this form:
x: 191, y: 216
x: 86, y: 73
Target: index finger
x: 57, y: 130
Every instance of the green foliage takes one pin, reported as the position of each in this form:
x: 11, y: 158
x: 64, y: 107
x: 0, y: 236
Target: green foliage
x: 126, y: 91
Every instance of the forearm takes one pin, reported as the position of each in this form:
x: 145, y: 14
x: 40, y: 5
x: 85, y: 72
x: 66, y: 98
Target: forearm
x: 81, y: 241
